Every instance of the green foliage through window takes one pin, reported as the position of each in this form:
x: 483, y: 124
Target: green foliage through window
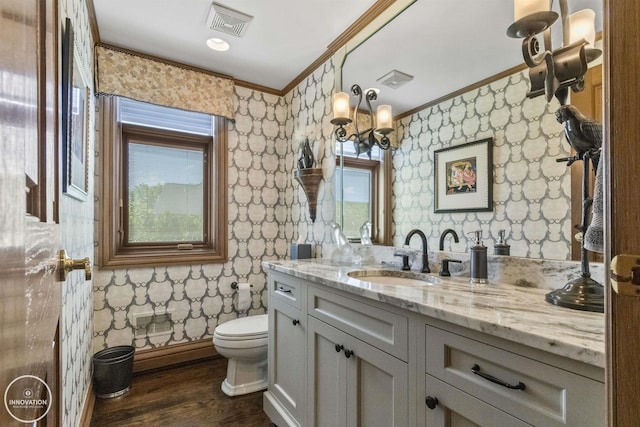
x: 149, y: 224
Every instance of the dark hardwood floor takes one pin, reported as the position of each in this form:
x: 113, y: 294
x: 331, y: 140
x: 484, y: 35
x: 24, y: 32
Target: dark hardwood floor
x: 187, y: 395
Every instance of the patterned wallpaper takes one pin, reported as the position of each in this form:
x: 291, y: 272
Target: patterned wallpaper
x: 309, y: 116
x: 267, y: 211
x: 76, y: 223
x: 531, y: 191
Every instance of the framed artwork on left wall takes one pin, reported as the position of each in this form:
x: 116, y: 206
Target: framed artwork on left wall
x: 75, y: 119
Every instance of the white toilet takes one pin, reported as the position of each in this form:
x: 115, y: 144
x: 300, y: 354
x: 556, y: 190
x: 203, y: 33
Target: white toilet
x: 244, y: 342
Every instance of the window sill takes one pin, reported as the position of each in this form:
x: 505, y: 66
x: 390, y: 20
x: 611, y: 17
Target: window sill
x: 160, y: 258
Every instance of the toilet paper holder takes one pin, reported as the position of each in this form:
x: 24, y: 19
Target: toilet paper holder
x: 234, y: 286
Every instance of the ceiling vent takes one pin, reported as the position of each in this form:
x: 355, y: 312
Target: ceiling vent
x: 227, y: 20
x: 394, y: 79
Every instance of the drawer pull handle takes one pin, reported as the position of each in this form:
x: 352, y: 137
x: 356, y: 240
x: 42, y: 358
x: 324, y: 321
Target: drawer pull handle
x: 339, y: 348
x: 286, y: 291
x: 295, y: 322
x: 432, y: 402
x: 348, y: 353
x: 476, y: 370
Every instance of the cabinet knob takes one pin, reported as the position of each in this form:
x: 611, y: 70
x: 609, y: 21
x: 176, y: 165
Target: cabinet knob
x: 348, y: 353
x: 295, y: 322
x: 339, y: 348
x: 432, y: 402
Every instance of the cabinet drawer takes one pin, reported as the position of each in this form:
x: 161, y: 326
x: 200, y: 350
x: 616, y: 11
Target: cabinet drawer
x: 457, y: 408
x: 288, y: 289
x: 550, y: 397
x: 380, y: 328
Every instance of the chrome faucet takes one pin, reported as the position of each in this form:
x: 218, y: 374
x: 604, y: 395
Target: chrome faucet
x: 425, y: 251
x: 444, y: 234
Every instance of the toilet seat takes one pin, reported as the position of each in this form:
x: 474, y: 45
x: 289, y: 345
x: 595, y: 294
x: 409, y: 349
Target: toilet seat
x: 243, y: 329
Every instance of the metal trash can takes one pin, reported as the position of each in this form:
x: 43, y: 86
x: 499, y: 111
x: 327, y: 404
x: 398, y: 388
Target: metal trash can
x: 112, y: 371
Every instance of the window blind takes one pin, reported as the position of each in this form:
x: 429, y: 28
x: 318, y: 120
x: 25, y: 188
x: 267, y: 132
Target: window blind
x: 151, y: 115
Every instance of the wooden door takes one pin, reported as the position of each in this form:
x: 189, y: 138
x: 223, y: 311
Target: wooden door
x: 29, y: 234
x: 622, y: 138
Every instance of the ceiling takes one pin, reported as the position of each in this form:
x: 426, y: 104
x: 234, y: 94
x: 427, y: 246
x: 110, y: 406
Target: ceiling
x: 445, y: 44
x: 282, y: 40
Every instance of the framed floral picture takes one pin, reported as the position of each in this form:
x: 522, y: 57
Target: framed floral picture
x: 464, y: 177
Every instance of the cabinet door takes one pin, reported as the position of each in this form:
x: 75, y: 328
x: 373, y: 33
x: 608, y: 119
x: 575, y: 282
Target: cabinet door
x: 287, y: 358
x: 377, y: 387
x: 326, y: 375
x: 368, y: 388
x: 456, y: 408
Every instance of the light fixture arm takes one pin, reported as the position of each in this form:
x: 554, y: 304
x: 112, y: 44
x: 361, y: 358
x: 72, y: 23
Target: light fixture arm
x: 566, y: 29
x: 357, y: 91
x: 552, y: 72
x: 370, y: 96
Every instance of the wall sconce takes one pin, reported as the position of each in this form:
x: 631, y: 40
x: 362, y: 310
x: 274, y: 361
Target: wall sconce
x: 363, y: 141
x: 553, y: 72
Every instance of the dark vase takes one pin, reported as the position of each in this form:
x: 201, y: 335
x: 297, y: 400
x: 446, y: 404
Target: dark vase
x: 306, y: 156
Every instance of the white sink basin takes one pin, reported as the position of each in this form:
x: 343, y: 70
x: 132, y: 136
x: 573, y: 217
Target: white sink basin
x: 394, y: 277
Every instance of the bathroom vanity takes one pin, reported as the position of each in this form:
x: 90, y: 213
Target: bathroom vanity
x: 346, y: 351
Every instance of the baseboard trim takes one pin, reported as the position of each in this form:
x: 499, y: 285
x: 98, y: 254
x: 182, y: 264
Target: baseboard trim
x: 87, y: 409
x: 145, y: 360
x: 276, y: 413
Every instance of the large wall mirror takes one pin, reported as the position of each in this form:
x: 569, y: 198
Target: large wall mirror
x: 468, y: 84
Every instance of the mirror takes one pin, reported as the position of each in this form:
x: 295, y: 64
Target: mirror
x: 448, y: 48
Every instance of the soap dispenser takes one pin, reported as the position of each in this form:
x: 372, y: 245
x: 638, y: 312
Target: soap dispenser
x: 501, y: 248
x: 478, y: 260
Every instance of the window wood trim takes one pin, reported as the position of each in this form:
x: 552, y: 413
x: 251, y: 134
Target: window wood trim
x: 373, y: 166
x: 386, y: 200
x: 111, y: 251
x: 167, y: 139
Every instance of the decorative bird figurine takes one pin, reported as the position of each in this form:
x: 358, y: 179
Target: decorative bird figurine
x: 584, y: 134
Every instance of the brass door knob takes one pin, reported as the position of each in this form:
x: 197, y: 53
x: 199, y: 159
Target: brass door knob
x: 66, y: 265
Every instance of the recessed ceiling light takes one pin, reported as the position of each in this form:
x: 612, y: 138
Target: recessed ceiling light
x: 218, y: 44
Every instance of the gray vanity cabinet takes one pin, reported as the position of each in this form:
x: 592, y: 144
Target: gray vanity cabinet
x: 333, y: 360
x: 357, y: 368
x: 284, y: 401
x: 352, y: 383
x: 487, y: 381
x: 340, y: 359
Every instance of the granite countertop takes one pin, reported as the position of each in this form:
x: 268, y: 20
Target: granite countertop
x: 514, y: 313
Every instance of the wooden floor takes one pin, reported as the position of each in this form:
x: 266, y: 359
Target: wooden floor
x: 187, y: 395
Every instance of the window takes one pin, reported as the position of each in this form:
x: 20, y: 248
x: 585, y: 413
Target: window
x: 164, y: 185
x: 358, y: 197
x: 360, y: 190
